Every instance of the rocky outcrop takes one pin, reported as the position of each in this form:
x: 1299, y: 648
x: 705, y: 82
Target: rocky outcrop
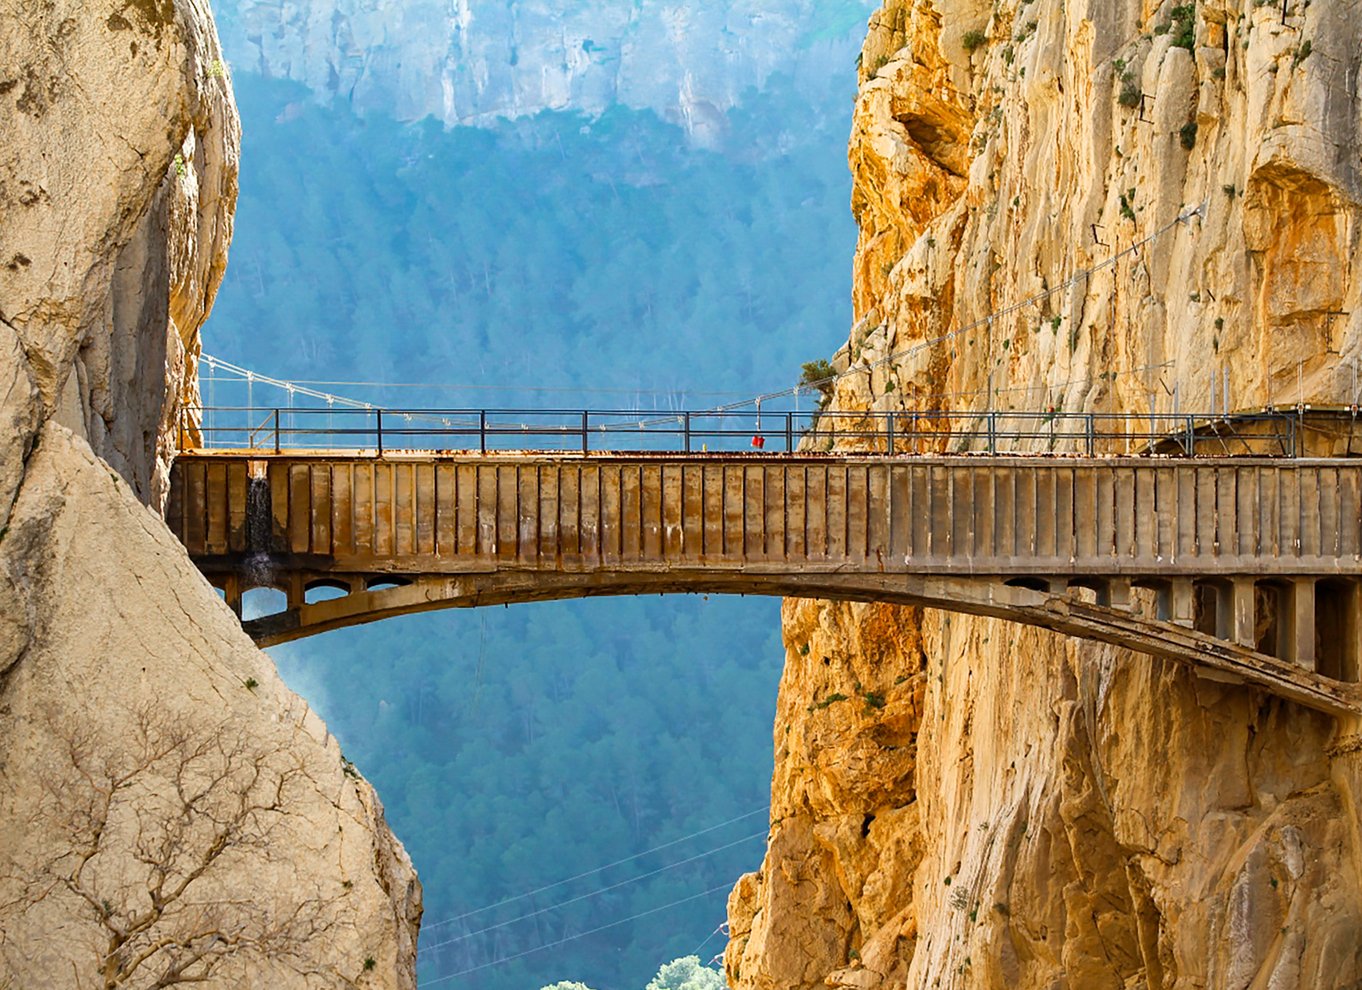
x: 169, y: 810
x: 115, y: 240
x: 960, y: 802
x: 476, y: 61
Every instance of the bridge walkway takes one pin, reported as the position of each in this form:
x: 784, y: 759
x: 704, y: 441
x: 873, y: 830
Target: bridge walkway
x: 1247, y: 568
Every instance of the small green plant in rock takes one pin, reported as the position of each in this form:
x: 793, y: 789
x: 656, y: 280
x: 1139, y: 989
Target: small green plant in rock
x: 1183, y: 26
x: 831, y: 699
x: 1187, y: 135
x: 1130, y: 94
x: 1302, y: 53
x: 1128, y: 205
x: 251, y: 683
x: 818, y: 375
x: 973, y: 40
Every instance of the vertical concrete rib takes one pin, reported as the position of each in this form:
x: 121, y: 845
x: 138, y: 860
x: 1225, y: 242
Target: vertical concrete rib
x: 299, y: 508
x: 1046, y: 512
x: 1064, y: 513
x: 1309, y: 513
x: 321, y: 509
x: 1124, y: 514
x: 835, y: 510
x: 777, y: 511
x: 1187, y: 514
x: 1302, y: 623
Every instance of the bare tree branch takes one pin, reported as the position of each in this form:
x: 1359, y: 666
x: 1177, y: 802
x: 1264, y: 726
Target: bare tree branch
x: 151, y: 835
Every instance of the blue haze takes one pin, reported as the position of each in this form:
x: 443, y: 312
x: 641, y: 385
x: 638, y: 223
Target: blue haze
x: 609, y: 259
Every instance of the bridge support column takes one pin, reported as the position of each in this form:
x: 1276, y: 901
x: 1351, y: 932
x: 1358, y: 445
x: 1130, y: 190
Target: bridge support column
x: 1243, y: 613
x: 1301, y: 632
x: 1116, y: 594
x: 295, y: 593
x: 1181, y: 602
x: 231, y: 592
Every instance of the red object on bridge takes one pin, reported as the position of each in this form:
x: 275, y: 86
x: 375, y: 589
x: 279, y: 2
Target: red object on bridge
x: 759, y: 442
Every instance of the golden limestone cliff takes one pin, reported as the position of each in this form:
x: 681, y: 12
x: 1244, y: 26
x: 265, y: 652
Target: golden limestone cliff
x: 169, y: 811
x: 962, y: 802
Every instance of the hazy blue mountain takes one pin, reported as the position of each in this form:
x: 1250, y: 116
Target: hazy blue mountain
x: 598, y: 255
x: 477, y: 61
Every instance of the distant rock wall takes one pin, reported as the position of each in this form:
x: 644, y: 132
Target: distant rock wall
x: 475, y: 61
x: 961, y: 802
x: 167, y: 807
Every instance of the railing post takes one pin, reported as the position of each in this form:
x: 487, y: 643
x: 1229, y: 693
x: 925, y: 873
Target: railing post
x: 685, y: 419
x: 585, y: 415
x: 1090, y: 424
x: 1191, y: 436
x: 889, y: 434
x: 482, y: 431
x: 378, y: 413
x: 992, y: 432
x: 276, y: 431
x: 789, y: 433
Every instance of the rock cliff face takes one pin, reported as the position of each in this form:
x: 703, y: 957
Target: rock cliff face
x: 474, y: 61
x: 995, y: 806
x: 169, y: 810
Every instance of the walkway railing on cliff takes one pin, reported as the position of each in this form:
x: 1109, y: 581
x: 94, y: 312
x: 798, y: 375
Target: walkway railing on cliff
x: 1264, y: 433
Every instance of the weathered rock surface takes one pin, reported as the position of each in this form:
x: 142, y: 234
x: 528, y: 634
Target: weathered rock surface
x: 126, y: 637
x: 966, y: 803
x: 476, y: 61
x: 115, y: 238
x: 145, y: 744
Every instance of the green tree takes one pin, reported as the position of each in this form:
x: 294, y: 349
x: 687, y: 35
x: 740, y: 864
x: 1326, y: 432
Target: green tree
x: 686, y: 973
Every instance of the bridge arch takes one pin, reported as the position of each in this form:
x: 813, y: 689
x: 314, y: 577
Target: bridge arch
x: 1192, y: 559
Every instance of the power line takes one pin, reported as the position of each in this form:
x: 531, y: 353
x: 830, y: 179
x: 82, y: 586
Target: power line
x: 572, y: 938
x: 916, y: 348
x: 594, y: 893
x: 984, y: 321
x: 457, y: 387
x: 599, y: 869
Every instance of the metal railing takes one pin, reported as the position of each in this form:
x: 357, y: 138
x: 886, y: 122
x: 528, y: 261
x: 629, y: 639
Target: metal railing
x: 1088, y: 434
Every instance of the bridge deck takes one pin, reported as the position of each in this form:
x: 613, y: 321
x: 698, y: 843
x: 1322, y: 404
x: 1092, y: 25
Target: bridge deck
x: 1257, y: 557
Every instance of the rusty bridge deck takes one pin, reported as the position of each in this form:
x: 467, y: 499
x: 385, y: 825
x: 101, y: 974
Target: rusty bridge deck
x: 1247, y: 568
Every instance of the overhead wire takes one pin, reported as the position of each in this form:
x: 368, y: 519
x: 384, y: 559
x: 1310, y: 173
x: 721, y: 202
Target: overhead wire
x: 984, y: 321
x: 599, y: 869
x: 572, y: 938
x: 916, y: 348
x: 595, y: 893
x: 464, y: 387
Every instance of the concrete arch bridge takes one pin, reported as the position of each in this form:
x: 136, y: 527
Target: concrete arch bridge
x: 1235, y: 550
